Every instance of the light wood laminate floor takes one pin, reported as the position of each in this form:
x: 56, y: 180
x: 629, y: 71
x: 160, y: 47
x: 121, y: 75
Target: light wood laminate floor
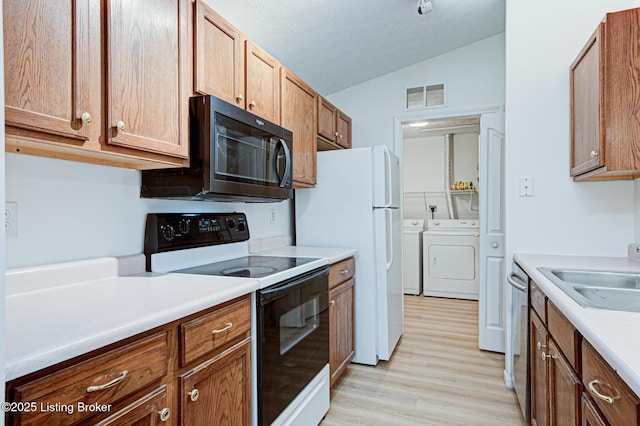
x: 436, y: 376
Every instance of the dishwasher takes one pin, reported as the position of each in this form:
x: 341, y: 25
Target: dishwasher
x: 517, y: 373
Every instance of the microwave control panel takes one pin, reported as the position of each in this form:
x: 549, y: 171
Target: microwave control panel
x: 176, y: 231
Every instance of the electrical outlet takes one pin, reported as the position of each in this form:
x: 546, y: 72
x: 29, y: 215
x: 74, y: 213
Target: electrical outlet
x: 272, y: 217
x: 11, y: 219
x: 526, y: 187
x: 433, y: 208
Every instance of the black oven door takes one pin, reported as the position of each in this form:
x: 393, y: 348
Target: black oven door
x: 293, y: 339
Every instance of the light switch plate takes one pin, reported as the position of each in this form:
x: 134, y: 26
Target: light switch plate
x: 526, y: 187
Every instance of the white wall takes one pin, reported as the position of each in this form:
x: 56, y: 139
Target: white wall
x: 70, y: 211
x: 473, y: 77
x: 594, y: 218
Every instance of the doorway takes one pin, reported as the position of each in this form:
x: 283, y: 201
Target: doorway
x: 481, y: 199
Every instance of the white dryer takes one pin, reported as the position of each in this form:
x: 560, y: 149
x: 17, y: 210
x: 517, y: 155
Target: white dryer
x: 451, y: 258
x: 412, y: 256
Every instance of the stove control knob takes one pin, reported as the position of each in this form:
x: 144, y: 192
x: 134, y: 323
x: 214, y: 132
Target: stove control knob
x: 241, y: 227
x: 185, y: 226
x: 231, y: 223
x: 168, y: 233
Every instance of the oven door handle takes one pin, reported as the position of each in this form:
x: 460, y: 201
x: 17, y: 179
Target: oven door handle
x: 517, y: 282
x: 277, y: 290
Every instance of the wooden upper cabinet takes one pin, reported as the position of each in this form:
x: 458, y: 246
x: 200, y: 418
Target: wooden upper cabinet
x: 231, y: 67
x: 49, y: 68
x: 103, y: 82
x: 298, y: 114
x: 146, y: 52
x: 327, y: 125
x: 605, y: 119
x: 334, y: 126
x: 343, y: 124
x: 263, y: 82
x: 216, y: 38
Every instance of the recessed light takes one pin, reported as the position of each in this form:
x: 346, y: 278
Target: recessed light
x: 419, y: 124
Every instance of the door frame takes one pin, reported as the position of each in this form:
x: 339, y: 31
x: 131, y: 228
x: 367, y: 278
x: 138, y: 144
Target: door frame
x: 435, y: 114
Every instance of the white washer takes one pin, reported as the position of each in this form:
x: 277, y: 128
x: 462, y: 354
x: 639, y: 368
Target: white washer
x: 412, y: 256
x: 451, y: 258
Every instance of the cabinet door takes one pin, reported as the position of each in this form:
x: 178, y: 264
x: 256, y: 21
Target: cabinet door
x: 343, y: 124
x: 565, y: 389
x: 262, y: 83
x: 219, y: 62
x: 298, y: 108
x: 539, y: 338
x: 49, y: 64
x: 218, y: 391
x: 326, y: 119
x: 150, y: 410
x: 341, y: 338
x: 587, y: 132
x: 147, y: 97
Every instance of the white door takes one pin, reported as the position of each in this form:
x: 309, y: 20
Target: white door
x: 492, y: 295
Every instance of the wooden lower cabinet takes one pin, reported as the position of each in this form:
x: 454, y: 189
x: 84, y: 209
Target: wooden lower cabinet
x: 143, y: 380
x: 565, y: 389
x: 539, y: 395
x: 571, y: 384
x: 341, y: 316
x: 218, y: 391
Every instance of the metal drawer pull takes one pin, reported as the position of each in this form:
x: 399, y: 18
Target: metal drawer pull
x: 120, y: 125
x: 548, y: 356
x: 594, y: 154
x: 86, y: 117
x: 344, y: 271
x: 540, y: 346
x: 222, y: 330
x: 114, y: 382
x: 597, y: 394
x: 194, y: 394
x: 164, y: 414
x: 332, y: 303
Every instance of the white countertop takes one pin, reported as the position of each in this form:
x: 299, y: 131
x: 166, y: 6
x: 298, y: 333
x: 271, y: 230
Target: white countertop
x: 332, y: 254
x: 614, y: 334
x: 57, y: 312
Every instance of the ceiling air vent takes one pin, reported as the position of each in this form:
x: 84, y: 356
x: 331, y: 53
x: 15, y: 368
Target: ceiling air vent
x: 424, y: 96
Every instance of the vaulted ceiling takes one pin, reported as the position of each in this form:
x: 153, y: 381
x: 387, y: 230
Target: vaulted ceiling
x: 335, y: 44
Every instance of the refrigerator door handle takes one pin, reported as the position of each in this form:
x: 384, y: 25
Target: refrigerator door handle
x: 389, y: 242
x: 388, y: 192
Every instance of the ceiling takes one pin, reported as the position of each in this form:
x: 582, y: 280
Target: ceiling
x: 432, y: 128
x: 335, y: 44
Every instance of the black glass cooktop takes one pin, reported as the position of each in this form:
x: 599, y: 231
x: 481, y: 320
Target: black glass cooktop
x: 249, y: 266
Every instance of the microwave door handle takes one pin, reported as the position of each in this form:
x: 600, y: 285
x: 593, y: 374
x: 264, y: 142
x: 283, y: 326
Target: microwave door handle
x: 287, y: 164
x: 276, y: 165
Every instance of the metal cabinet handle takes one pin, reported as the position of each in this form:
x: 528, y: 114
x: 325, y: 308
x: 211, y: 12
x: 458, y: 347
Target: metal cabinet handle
x: 332, y: 303
x: 252, y: 104
x: 340, y: 136
x: 194, y: 394
x: 336, y: 134
x: 222, y: 330
x: 594, y: 154
x: 120, y: 125
x: 494, y: 245
x: 344, y: 271
x: 597, y: 394
x: 107, y: 385
x: 164, y: 414
x: 540, y: 346
x: 86, y: 117
x: 240, y: 98
x: 548, y: 356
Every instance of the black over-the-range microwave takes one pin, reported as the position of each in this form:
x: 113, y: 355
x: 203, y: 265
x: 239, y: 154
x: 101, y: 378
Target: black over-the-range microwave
x: 234, y: 156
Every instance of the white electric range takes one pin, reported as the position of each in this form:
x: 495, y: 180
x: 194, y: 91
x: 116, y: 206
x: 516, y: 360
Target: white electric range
x: 290, y: 311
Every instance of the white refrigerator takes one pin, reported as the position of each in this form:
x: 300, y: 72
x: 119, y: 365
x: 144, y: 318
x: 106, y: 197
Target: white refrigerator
x: 356, y: 204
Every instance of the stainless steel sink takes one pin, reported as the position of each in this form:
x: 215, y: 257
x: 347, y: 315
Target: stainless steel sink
x: 618, y: 291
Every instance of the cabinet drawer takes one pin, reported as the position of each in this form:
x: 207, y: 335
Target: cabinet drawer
x: 102, y: 380
x: 538, y: 301
x: 209, y: 332
x: 617, y: 402
x: 565, y: 335
x: 341, y: 271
